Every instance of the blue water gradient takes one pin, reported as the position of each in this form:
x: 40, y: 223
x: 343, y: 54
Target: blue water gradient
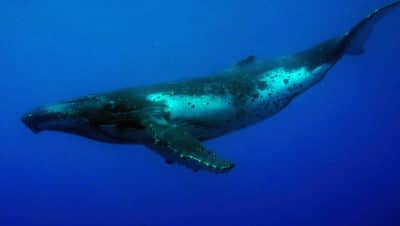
x: 331, y: 158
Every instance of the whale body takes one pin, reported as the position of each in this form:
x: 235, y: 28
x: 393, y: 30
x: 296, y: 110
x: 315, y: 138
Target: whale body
x: 173, y: 118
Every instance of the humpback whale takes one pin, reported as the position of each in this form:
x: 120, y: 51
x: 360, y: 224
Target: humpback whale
x: 173, y: 118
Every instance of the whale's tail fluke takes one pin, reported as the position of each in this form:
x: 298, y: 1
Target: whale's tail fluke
x: 358, y: 35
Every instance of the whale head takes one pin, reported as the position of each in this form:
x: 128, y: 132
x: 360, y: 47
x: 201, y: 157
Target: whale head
x: 69, y: 116
x: 90, y: 116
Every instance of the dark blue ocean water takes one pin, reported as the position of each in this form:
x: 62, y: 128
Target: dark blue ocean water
x: 331, y: 158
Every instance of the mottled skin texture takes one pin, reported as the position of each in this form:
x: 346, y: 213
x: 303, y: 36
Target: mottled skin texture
x: 172, y: 118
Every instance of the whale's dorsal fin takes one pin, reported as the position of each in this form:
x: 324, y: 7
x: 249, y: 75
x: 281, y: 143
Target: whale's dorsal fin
x: 178, y: 145
x: 246, y: 61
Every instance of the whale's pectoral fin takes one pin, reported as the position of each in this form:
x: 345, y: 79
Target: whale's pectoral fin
x: 359, y: 34
x: 176, y: 143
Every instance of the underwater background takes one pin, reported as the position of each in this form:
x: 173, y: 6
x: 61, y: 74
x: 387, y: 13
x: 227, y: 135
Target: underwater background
x: 330, y: 158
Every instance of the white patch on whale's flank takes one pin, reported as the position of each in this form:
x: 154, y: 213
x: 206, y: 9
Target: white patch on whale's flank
x: 194, y: 107
x: 282, y: 84
x: 282, y: 81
